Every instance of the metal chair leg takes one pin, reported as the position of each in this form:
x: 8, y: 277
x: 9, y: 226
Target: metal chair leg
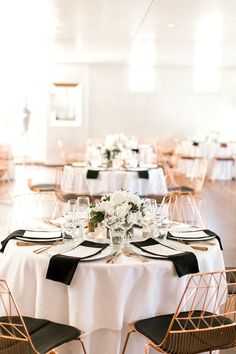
x: 126, y: 340
x: 147, y: 348
x: 82, y: 344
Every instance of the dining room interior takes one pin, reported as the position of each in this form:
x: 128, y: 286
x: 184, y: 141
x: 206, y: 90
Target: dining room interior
x: 117, y: 176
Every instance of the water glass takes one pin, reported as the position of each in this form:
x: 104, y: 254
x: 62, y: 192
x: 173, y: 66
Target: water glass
x: 150, y: 210
x: 69, y: 222
x: 82, y: 217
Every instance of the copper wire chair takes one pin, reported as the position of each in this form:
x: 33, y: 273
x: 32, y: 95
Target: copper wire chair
x: 188, y: 177
x: 205, y: 319
x: 26, y: 335
x: 187, y: 209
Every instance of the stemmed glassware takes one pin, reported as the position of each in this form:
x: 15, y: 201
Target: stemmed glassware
x: 82, y: 217
x: 76, y: 216
x: 150, y: 211
x: 118, y: 227
x: 69, y: 222
x: 126, y: 224
x: 112, y: 223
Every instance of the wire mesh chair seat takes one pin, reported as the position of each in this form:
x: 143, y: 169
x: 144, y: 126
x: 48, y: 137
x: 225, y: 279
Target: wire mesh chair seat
x: 27, y: 335
x: 205, y: 318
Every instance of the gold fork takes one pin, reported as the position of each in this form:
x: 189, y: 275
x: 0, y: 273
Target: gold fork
x: 128, y: 252
x: 45, y: 248
x: 199, y: 248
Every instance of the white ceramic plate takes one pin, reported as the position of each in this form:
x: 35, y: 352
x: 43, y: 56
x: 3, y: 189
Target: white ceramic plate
x: 73, y: 251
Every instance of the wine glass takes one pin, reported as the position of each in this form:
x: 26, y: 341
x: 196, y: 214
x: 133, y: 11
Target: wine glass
x: 126, y: 224
x: 150, y: 210
x: 69, y: 219
x: 82, y: 216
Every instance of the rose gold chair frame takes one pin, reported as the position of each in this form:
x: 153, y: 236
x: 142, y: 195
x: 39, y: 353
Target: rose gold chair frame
x: 205, y: 319
x: 14, y: 337
x: 187, y: 209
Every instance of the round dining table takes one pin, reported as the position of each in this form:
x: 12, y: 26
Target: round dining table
x: 102, y: 297
x: 76, y: 179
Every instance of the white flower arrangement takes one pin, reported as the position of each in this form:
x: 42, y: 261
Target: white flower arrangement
x: 121, y: 202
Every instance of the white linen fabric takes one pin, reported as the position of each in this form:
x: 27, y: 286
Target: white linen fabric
x: 109, y: 181
x: 217, y: 169
x: 102, y: 298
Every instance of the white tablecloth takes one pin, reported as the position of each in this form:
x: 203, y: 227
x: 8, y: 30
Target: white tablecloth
x: 108, y: 181
x: 102, y: 298
x: 217, y: 170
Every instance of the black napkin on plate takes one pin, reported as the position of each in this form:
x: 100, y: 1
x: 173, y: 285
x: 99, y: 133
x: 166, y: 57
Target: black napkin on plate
x: 185, y: 263
x: 13, y: 235
x: 208, y: 232
x: 135, y: 150
x: 195, y: 143
x: 143, y: 174
x: 92, y: 174
x: 62, y: 268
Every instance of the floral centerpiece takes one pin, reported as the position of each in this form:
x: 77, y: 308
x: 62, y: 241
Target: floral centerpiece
x: 110, y: 153
x: 120, y: 204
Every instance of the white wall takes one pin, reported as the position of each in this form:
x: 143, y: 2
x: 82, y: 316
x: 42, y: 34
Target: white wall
x: 172, y: 109
x: 70, y: 135
x: 108, y: 106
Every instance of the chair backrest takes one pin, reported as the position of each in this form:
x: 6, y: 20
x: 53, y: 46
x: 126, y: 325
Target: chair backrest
x: 70, y: 183
x: 32, y: 209
x: 14, y: 337
x: 63, y: 153
x: 187, y: 209
x: 5, y: 158
x: 190, y: 172
x: 206, y: 315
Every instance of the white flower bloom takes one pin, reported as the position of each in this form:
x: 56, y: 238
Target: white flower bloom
x: 109, y: 210
x: 118, y: 198
x: 121, y: 211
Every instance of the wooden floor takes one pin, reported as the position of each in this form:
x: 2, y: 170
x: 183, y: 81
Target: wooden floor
x: 220, y: 200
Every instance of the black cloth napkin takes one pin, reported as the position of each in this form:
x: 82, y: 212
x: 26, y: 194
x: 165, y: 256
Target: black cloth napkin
x: 143, y: 174
x: 62, y: 268
x: 12, y: 236
x: 195, y: 143
x: 135, y: 150
x: 92, y: 174
x: 208, y: 232
x: 184, y: 263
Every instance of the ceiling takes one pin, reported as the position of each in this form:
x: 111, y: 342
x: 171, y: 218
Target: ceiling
x: 103, y: 31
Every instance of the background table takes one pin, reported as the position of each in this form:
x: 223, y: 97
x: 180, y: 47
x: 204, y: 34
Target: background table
x: 102, y: 298
x: 108, y: 181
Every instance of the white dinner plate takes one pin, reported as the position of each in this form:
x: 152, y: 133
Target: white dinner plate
x: 38, y: 239
x: 160, y: 250
x: 73, y: 251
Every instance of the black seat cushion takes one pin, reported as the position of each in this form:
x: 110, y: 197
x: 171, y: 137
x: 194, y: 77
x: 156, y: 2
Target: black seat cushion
x: 231, y: 279
x: 43, y: 187
x: 155, y: 328
x: 183, y: 189
x: 45, y: 334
